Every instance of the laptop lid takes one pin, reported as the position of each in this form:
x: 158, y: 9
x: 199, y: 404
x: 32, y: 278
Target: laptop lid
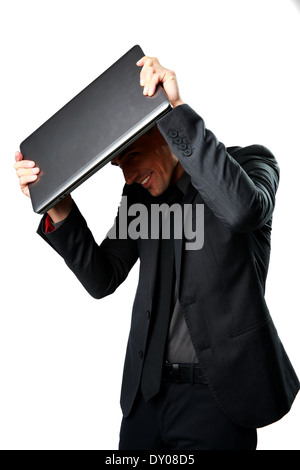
x: 90, y: 130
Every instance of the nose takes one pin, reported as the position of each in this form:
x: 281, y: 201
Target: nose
x: 130, y: 173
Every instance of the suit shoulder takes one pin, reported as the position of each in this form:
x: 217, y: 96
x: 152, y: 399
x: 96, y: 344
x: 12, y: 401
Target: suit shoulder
x: 250, y: 150
x: 254, y: 153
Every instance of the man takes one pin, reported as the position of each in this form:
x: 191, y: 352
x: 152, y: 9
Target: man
x: 204, y: 366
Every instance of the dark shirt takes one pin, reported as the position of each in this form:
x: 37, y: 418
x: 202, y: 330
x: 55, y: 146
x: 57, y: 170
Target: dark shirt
x: 179, y: 344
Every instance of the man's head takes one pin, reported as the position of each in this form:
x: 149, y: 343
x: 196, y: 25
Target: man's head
x: 149, y: 162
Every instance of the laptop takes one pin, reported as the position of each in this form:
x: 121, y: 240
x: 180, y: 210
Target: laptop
x: 90, y: 130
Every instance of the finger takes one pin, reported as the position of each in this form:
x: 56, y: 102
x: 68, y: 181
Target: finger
x: 155, y: 79
x: 151, y: 77
x: 144, y: 73
x: 25, y: 172
x: 25, y: 180
x: 141, y: 61
x: 151, y: 74
x: 147, y: 77
x: 145, y: 59
x: 146, y: 62
x: 24, y: 164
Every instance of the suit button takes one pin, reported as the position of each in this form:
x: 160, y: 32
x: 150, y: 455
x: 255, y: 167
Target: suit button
x: 141, y: 354
x: 173, y: 133
x: 182, y: 146
x: 177, y: 140
x: 187, y: 152
x: 148, y: 315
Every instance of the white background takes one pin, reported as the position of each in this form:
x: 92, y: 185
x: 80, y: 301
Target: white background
x: 237, y: 62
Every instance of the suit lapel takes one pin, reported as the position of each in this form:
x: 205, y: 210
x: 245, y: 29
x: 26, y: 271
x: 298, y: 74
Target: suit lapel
x: 152, y: 261
x: 178, y: 243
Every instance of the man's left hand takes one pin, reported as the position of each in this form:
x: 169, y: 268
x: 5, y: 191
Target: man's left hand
x: 153, y: 73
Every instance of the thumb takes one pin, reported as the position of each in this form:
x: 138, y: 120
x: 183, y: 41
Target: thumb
x: 18, y: 156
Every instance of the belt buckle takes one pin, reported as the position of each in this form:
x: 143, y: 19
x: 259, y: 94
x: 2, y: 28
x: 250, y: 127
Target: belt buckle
x: 175, y: 372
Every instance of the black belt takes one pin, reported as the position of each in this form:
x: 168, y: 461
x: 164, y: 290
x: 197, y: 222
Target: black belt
x: 183, y: 373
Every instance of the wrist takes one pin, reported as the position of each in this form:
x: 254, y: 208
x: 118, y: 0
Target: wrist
x: 61, y: 210
x: 177, y: 103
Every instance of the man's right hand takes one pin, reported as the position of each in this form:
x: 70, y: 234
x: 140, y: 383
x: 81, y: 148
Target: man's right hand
x: 27, y: 172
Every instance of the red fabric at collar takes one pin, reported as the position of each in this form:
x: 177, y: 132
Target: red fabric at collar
x: 48, y: 225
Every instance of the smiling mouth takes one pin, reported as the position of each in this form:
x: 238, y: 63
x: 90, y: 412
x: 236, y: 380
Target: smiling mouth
x: 146, y: 180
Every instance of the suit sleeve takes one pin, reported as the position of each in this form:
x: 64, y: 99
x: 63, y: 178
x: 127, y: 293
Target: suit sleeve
x: 99, y: 268
x: 239, y: 188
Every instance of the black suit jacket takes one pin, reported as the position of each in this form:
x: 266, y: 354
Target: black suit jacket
x: 220, y: 287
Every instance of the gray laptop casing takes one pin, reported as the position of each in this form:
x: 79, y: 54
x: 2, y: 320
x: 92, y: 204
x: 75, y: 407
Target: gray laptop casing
x: 90, y: 130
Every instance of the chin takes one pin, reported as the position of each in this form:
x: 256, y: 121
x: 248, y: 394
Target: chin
x: 157, y: 190
x: 154, y: 192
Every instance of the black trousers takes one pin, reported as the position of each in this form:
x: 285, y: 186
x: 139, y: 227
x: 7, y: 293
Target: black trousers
x: 182, y: 416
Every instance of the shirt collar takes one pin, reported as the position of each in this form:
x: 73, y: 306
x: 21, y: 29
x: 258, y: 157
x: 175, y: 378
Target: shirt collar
x: 183, y: 183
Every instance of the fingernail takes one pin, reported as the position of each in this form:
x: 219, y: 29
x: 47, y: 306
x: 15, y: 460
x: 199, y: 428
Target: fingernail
x: 145, y: 90
x: 142, y: 82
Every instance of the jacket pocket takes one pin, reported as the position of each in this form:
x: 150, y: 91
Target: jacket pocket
x: 251, y: 328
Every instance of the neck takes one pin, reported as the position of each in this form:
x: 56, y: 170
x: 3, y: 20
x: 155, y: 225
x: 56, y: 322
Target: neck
x: 177, y: 172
